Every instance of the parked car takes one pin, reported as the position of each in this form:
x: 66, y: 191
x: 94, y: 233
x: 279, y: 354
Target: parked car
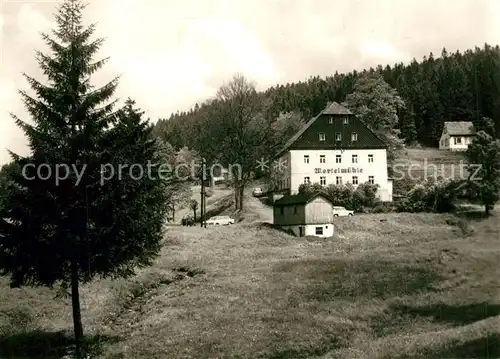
x: 341, y: 211
x: 220, y: 221
x: 188, y: 221
x: 257, y: 192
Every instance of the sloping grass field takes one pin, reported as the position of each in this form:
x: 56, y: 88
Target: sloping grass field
x: 421, y: 163
x: 386, y: 286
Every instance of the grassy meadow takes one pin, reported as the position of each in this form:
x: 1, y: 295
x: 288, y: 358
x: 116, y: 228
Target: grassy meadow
x: 421, y: 163
x: 385, y: 286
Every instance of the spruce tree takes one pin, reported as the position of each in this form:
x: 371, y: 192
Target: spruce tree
x: 483, y: 155
x: 67, y: 215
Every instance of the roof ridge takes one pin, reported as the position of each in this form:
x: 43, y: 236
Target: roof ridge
x: 339, y: 110
x: 303, y: 196
x: 457, y: 128
x: 459, y: 122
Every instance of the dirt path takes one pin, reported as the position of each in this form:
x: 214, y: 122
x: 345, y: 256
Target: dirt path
x: 255, y: 210
x: 217, y: 195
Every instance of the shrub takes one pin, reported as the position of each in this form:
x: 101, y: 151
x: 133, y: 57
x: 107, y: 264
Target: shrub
x: 306, y: 188
x: 357, y: 199
x: 365, y: 195
x: 403, y: 186
x: 383, y: 208
x: 465, y: 228
x: 431, y: 196
x: 19, y: 319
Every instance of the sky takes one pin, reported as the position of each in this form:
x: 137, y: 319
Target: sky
x: 173, y: 53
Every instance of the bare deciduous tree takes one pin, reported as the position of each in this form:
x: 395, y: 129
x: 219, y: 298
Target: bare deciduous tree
x: 193, y: 204
x: 237, y: 133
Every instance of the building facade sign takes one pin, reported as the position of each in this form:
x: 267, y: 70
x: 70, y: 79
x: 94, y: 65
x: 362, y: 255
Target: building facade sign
x: 338, y: 170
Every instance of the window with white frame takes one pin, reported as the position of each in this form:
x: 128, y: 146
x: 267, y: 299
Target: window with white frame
x: 354, y: 137
x: 322, y: 159
x: 346, y: 120
x: 322, y: 181
x: 338, y: 180
x: 330, y: 120
x: 307, y: 180
x: 306, y: 158
x: 354, y: 158
x: 458, y: 140
x: 319, y: 231
x: 338, y: 158
x: 370, y: 158
x: 354, y: 179
x: 322, y: 137
x: 338, y: 136
x: 371, y: 179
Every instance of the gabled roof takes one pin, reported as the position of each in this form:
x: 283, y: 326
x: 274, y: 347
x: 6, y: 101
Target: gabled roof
x: 460, y: 128
x: 335, y: 109
x: 297, y: 135
x: 368, y: 139
x: 301, y: 198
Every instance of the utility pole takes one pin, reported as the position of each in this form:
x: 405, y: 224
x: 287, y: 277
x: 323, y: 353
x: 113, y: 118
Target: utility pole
x: 202, y: 193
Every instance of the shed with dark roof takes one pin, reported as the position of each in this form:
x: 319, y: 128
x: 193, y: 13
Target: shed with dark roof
x: 305, y: 214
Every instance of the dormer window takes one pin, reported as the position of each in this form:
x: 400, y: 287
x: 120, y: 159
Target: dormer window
x: 338, y: 136
x: 330, y: 120
x: 346, y: 120
x: 354, y: 137
x: 322, y: 137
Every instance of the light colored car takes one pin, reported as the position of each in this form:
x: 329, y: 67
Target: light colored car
x: 257, y: 192
x: 341, y: 211
x: 220, y: 221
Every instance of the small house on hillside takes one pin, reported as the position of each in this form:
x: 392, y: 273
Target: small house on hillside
x: 457, y: 136
x: 304, y: 214
x: 218, y: 175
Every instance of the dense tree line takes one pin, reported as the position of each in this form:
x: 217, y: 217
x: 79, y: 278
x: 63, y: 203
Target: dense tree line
x: 453, y: 87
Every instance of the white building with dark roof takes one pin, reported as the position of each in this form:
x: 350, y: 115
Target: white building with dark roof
x: 457, y: 136
x: 335, y: 147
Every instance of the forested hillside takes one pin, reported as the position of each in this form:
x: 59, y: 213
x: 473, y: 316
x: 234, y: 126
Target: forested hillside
x: 452, y: 87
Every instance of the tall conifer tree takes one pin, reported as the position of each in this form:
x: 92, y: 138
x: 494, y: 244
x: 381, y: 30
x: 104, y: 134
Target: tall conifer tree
x: 70, y: 226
